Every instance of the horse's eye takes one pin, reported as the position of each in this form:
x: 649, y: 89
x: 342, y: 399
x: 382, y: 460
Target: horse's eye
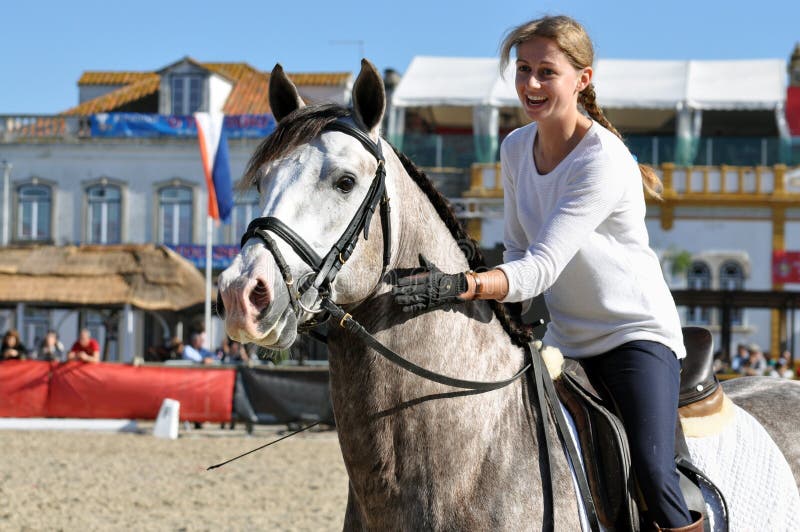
x: 345, y: 184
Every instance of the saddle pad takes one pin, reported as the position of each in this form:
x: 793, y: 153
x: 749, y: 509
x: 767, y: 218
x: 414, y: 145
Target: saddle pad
x: 746, y: 465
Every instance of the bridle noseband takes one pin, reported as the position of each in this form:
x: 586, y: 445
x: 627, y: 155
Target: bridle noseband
x: 326, y: 268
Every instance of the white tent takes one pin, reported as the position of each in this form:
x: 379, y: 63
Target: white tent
x: 683, y: 87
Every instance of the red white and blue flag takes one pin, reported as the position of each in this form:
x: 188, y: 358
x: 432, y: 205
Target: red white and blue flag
x: 214, y: 154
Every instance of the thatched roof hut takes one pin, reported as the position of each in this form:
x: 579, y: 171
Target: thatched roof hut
x: 146, y: 276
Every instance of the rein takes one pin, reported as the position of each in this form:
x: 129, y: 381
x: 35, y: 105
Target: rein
x: 325, y: 270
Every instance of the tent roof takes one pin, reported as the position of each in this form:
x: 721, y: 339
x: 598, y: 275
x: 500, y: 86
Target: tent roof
x: 456, y: 81
x: 621, y: 83
x: 146, y: 276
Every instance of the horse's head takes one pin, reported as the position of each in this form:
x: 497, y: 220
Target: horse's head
x: 321, y: 177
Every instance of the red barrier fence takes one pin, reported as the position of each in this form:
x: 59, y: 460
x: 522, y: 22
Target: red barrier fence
x: 83, y: 390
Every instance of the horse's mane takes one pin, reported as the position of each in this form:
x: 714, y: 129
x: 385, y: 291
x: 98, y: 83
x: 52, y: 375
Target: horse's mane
x: 303, y: 124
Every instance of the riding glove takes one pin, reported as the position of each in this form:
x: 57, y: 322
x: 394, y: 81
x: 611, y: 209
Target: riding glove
x: 428, y: 288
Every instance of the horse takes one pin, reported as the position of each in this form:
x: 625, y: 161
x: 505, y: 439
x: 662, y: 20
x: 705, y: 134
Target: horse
x: 420, y: 455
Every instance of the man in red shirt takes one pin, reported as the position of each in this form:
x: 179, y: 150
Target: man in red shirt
x: 86, y: 348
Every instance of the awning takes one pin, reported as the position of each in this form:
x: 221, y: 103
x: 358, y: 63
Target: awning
x: 621, y: 83
x: 145, y: 276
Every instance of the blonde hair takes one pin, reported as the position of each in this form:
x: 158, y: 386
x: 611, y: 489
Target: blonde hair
x: 574, y: 42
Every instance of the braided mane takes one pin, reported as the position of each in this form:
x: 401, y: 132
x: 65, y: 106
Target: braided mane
x: 303, y: 124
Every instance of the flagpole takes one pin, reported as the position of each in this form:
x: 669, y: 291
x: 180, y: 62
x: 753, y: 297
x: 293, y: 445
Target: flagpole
x: 209, y: 332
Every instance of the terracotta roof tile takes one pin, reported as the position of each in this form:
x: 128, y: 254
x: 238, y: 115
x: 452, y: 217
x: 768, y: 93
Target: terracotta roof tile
x: 114, y: 99
x: 232, y: 71
x: 327, y: 79
x: 249, y: 94
x: 112, y: 78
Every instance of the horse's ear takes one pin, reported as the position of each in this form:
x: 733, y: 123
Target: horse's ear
x: 369, y: 97
x: 283, y: 95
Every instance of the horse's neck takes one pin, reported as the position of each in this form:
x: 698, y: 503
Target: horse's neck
x: 378, y: 403
x: 467, y: 339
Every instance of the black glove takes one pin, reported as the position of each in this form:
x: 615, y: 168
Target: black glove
x: 428, y: 288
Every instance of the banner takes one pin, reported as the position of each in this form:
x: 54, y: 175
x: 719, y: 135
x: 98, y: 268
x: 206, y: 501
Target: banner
x: 142, y: 125
x: 24, y: 386
x: 285, y: 394
x: 221, y: 256
x: 32, y: 388
x: 118, y: 391
x: 785, y: 267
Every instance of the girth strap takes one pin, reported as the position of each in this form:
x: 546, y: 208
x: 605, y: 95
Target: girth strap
x: 545, y: 390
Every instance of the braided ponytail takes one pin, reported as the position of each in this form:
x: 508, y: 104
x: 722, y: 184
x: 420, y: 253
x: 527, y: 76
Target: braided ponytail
x: 588, y: 99
x: 572, y: 39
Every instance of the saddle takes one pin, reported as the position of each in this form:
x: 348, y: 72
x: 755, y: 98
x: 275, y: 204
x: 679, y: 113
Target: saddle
x: 604, y: 444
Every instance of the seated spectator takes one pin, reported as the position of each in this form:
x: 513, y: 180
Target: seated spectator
x: 233, y: 352
x: 51, y: 348
x: 176, y: 349
x: 13, y: 348
x: 742, y: 354
x: 782, y: 369
x: 757, y: 362
x: 195, y: 350
x: 85, y: 348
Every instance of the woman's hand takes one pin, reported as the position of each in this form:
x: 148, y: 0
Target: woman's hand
x: 429, y: 288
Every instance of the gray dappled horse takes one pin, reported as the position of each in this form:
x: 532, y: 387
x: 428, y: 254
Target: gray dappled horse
x: 419, y: 455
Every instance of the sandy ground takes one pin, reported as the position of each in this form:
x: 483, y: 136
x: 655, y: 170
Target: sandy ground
x: 56, y: 480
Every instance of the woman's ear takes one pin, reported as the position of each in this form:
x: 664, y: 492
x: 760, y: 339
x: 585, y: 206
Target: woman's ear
x: 585, y: 78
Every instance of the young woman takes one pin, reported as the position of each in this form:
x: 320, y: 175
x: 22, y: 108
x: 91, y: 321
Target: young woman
x: 575, y: 231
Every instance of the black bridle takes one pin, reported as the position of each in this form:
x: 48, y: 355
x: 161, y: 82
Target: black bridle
x: 326, y: 268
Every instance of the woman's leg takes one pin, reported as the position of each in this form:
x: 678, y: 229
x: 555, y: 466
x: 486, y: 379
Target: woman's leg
x: 643, y: 379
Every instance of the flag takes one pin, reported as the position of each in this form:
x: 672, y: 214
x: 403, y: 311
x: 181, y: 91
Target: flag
x: 214, y: 154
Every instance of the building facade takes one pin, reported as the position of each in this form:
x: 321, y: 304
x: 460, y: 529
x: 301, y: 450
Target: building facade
x: 123, y: 166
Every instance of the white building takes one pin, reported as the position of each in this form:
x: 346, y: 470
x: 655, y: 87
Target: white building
x: 97, y: 174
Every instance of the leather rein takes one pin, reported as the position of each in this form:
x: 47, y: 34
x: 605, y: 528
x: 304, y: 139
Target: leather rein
x: 304, y: 298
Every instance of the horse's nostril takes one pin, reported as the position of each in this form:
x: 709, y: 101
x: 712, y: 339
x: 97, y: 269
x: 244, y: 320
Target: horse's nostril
x: 220, y: 305
x: 259, y: 297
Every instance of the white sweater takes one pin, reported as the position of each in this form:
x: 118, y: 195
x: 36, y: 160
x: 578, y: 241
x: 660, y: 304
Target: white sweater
x: 578, y: 234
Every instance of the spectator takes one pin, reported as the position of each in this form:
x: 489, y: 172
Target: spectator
x: 13, y: 348
x: 51, y: 348
x: 738, y: 359
x: 85, y: 348
x: 782, y: 369
x: 757, y: 362
x: 175, y: 349
x: 195, y: 350
x: 233, y: 352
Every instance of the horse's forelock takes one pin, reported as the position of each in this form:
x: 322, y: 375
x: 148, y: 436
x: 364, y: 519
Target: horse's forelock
x: 297, y: 128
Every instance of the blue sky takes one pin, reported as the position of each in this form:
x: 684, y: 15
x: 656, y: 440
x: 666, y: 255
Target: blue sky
x: 47, y: 45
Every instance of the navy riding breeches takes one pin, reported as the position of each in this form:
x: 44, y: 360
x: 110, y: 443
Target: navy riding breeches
x: 642, y: 379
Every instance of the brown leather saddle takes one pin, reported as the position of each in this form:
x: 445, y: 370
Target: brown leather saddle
x: 604, y: 445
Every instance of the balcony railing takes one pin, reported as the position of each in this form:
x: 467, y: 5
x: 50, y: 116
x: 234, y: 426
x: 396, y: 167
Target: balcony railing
x: 724, y: 181
x: 425, y: 149
x: 14, y: 128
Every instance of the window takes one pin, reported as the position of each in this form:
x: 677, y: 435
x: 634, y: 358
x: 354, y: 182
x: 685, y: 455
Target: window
x: 245, y: 210
x: 37, y: 323
x: 33, y: 212
x: 104, y: 214
x: 698, y: 278
x: 175, y: 215
x: 731, y: 277
x: 187, y: 94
